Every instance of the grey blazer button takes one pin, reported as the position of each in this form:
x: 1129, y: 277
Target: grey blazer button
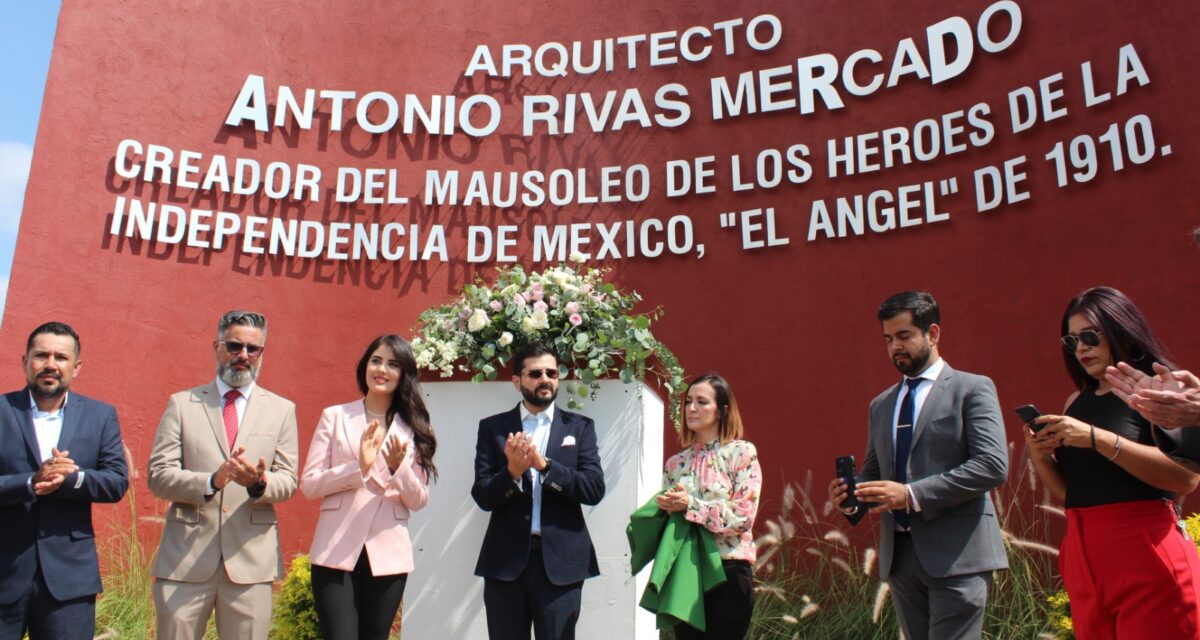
x: 526, y: 518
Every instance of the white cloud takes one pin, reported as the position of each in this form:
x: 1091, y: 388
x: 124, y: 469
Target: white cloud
x: 15, y: 158
x: 3, y: 293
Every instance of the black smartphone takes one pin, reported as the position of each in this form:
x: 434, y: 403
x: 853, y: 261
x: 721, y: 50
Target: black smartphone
x: 845, y: 471
x: 1029, y: 413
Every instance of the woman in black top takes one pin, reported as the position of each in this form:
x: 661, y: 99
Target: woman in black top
x: 1127, y: 567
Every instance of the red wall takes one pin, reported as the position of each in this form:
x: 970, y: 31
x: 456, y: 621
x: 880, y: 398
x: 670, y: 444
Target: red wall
x: 792, y: 327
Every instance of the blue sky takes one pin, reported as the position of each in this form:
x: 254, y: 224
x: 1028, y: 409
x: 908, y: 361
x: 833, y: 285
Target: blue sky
x: 26, y: 39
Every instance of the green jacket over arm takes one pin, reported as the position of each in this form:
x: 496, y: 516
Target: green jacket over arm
x: 686, y: 564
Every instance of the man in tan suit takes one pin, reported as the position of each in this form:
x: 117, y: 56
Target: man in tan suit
x: 224, y: 454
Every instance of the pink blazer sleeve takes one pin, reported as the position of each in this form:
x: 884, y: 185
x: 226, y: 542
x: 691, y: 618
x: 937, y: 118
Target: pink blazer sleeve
x: 332, y: 464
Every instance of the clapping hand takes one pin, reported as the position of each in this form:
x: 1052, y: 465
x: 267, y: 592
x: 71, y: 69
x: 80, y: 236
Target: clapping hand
x: 245, y: 473
x: 372, y: 440
x: 517, y: 448
x: 237, y: 469
x: 53, y: 472
x: 395, y: 452
x: 1170, y: 399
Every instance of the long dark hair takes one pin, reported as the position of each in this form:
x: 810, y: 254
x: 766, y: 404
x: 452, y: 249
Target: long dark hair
x: 729, y: 420
x: 1123, y: 326
x: 406, y: 400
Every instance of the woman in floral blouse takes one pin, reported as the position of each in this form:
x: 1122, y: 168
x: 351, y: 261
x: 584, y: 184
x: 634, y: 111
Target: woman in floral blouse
x: 716, y: 480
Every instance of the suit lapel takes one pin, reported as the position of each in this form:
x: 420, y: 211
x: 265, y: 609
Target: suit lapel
x: 211, y: 400
x: 24, y: 421
x: 885, y: 416
x: 253, y: 408
x: 515, y: 425
x: 70, y: 420
x: 929, y: 408
x: 354, y: 426
x: 558, y: 431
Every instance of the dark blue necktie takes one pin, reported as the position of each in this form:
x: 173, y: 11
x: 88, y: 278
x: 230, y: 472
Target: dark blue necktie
x: 904, y: 433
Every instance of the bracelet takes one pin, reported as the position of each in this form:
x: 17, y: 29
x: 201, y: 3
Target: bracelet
x: 1093, y: 436
x: 1117, y: 450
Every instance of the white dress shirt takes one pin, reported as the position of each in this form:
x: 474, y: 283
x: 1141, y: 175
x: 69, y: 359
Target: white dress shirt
x: 540, y: 430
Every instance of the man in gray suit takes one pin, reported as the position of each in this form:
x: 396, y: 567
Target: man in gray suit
x: 936, y: 449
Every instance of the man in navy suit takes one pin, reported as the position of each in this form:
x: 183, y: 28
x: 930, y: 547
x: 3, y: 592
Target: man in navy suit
x: 61, y: 452
x: 534, y: 466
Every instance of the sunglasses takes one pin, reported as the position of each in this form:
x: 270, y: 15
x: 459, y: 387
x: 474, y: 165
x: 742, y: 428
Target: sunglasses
x: 1089, y: 337
x: 233, y: 347
x: 550, y: 374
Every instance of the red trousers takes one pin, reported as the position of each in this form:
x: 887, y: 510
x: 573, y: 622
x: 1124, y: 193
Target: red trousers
x: 1130, y: 573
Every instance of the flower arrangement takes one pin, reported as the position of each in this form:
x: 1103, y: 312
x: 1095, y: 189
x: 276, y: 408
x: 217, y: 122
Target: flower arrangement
x: 586, y: 320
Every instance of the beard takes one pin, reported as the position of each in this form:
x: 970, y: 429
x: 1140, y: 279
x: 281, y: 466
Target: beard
x: 238, y: 378
x: 915, y: 364
x: 531, y: 395
x: 46, y: 393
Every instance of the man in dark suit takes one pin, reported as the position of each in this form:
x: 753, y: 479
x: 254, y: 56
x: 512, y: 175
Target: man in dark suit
x: 936, y: 449
x: 534, y: 466
x: 61, y: 453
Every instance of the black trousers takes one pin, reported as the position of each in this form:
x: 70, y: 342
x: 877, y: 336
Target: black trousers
x: 356, y: 604
x: 727, y: 609
x: 44, y: 618
x: 514, y: 605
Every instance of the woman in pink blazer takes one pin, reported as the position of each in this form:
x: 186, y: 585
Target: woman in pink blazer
x: 369, y: 478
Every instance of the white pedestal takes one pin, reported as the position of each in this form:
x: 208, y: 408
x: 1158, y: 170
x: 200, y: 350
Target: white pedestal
x: 444, y: 598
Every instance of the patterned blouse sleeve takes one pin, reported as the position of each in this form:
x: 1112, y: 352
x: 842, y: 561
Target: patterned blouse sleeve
x: 735, y: 514
x: 670, y: 471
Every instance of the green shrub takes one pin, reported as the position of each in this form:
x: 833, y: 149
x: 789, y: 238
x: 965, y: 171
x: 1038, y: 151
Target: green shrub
x: 295, y: 616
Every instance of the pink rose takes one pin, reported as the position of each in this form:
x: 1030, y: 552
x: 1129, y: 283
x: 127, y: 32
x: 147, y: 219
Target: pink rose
x: 575, y: 319
x: 586, y: 288
x: 519, y: 299
x: 496, y: 305
x: 539, y: 306
x: 572, y: 307
x: 536, y: 294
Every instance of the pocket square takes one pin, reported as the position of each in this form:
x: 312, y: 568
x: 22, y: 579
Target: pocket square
x: 568, y: 441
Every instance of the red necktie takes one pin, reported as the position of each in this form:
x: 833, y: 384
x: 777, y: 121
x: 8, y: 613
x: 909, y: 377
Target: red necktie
x: 230, y: 415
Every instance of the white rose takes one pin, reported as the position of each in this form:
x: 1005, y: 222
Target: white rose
x: 527, y: 325
x: 506, y: 339
x: 540, y: 319
x: 477, y: 321
x: 424, y: 359
x: 576, y: 257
